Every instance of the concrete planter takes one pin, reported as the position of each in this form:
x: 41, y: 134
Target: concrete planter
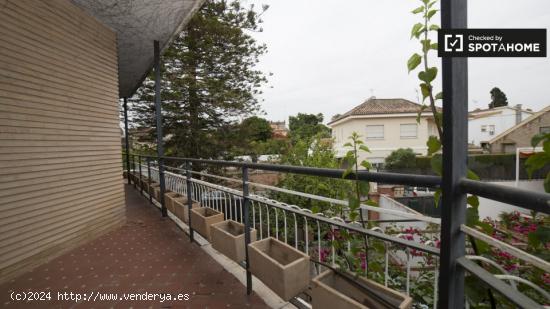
x: 331, y: 290
x: 182, y: 210
x: 144, y: 183
x: 169, y: 200
x: 228, y: 238
x: 282, y: 268
x: 155, y: 189
x: 202, y: 218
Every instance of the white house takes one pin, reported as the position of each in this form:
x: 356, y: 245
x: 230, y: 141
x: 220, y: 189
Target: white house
x: 385, y: 125
x: 485, y: 124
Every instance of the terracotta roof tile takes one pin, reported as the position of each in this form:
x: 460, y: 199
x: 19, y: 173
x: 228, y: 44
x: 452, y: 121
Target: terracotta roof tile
x: 374, y: 106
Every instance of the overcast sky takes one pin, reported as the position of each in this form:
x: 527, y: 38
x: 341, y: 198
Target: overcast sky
x: 329, y: 56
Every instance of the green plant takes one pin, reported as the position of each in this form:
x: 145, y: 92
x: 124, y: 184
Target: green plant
x: 400, y: 158
x: 540, y: 159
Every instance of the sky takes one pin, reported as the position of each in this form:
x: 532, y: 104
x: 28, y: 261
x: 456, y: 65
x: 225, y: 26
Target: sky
x: 330, y: 56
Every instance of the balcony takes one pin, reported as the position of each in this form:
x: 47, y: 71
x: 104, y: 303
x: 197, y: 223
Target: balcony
x: 148, y: 254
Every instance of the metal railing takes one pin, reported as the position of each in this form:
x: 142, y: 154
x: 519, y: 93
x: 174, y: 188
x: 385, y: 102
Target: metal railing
x: 313, y: 233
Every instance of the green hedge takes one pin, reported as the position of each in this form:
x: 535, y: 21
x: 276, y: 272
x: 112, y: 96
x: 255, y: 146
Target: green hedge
x: 486, y: 166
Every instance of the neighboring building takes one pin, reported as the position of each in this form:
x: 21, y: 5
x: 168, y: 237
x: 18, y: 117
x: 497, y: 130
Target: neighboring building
x: 520, y: 135
x: 64, y: 66
x: 485, y: 124
x: 279, y: 129
x: 385, y: 125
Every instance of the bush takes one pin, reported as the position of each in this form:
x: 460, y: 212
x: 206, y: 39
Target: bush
x: 401, y: 158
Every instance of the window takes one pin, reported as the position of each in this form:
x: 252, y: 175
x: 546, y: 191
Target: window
x: 409, y: 130
x: 483, y: 128
x: 375, y: 132
x: 544, y: 130
x: 491, y: 130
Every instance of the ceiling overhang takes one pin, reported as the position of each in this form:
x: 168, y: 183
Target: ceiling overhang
x: 138, y: 23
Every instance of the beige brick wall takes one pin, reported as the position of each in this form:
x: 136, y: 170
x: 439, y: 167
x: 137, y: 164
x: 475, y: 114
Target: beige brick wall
x: 60, y: 154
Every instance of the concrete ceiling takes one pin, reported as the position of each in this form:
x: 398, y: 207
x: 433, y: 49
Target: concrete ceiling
x: 138, y: 23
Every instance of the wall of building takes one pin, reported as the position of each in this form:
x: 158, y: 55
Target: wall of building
x: 501, y: 119
x: 521, y: 137
x: 381, y: 148
x: 60, y: 154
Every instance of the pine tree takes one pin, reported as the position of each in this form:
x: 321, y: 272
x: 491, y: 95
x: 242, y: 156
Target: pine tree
x: 209, y: 81
x: 498, y: 98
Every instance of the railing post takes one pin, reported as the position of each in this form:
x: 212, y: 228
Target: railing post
x: 134, y: 169
x: 149, y: 180
x: 158, y: 114
x: 189, y: 197
x: 139, y: 170
x: 455, y: 156
x: 127, y: 140
x: 246, y: 203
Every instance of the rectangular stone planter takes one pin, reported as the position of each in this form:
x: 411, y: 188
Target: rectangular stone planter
x: 180, y: 205
x: 282, y: 268
x: 169, y: 200
x: 202, y: 218
x: 331, y: 290
x: 156, y: 191
x: 228, y: 238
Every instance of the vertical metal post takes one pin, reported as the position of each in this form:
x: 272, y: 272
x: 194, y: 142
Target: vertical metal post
x: 189, y: 197
x: 158, y: 113
x: 149, y: 180
x: 246, y: 203
x: 134, y: 169
x: 127, y: 139
x: 455, y: 155
x: 139, y: 170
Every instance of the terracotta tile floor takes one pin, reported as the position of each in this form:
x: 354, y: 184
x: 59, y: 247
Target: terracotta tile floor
x: 148, y: 254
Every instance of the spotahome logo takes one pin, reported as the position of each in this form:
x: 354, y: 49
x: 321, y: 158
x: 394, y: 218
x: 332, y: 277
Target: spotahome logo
x: 492, y: 43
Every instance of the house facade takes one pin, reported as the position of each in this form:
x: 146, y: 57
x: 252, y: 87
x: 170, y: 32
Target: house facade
x: 519, y: 136
x: 384, y: 125
x: 485, y: 124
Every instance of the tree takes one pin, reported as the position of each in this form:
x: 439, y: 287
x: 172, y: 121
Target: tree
x: 208, y: 80
x: 498, y: 98
x: 307, y: 126
x: 255, y: 129
x: 400, y: 158
x: 312, y: 154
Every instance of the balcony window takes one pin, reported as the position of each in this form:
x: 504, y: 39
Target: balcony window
x: 375, y: 132
x: 409, y: 130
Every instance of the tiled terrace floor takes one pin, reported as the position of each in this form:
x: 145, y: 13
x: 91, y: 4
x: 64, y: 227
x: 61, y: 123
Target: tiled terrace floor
x: 148, y: 254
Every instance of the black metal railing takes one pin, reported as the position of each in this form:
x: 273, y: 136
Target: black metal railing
x: 536, y: 201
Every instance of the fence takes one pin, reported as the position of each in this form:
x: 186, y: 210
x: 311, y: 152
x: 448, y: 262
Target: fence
x: 314, y: 233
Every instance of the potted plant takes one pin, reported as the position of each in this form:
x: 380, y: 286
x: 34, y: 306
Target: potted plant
x: 181, y: 209
x: 282, y: 268
x: 228, y: 238
x: 202, y: 218
x: 332, y: 289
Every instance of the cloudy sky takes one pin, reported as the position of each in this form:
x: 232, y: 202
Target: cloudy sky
x: 329, y: 56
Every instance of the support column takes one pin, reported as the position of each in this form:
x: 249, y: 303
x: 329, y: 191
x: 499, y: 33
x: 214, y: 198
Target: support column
x: 455, y: 156
x: 158, y: 114
x: 246, y: 205
x: 127, y: 140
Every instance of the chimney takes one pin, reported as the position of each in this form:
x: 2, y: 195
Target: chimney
x: 518, y: 113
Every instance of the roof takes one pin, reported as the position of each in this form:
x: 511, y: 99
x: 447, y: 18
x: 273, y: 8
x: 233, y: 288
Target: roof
x: 487, y: 112
x: 374, y: 106
x: 137, y: 24
x: 521, y: 124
